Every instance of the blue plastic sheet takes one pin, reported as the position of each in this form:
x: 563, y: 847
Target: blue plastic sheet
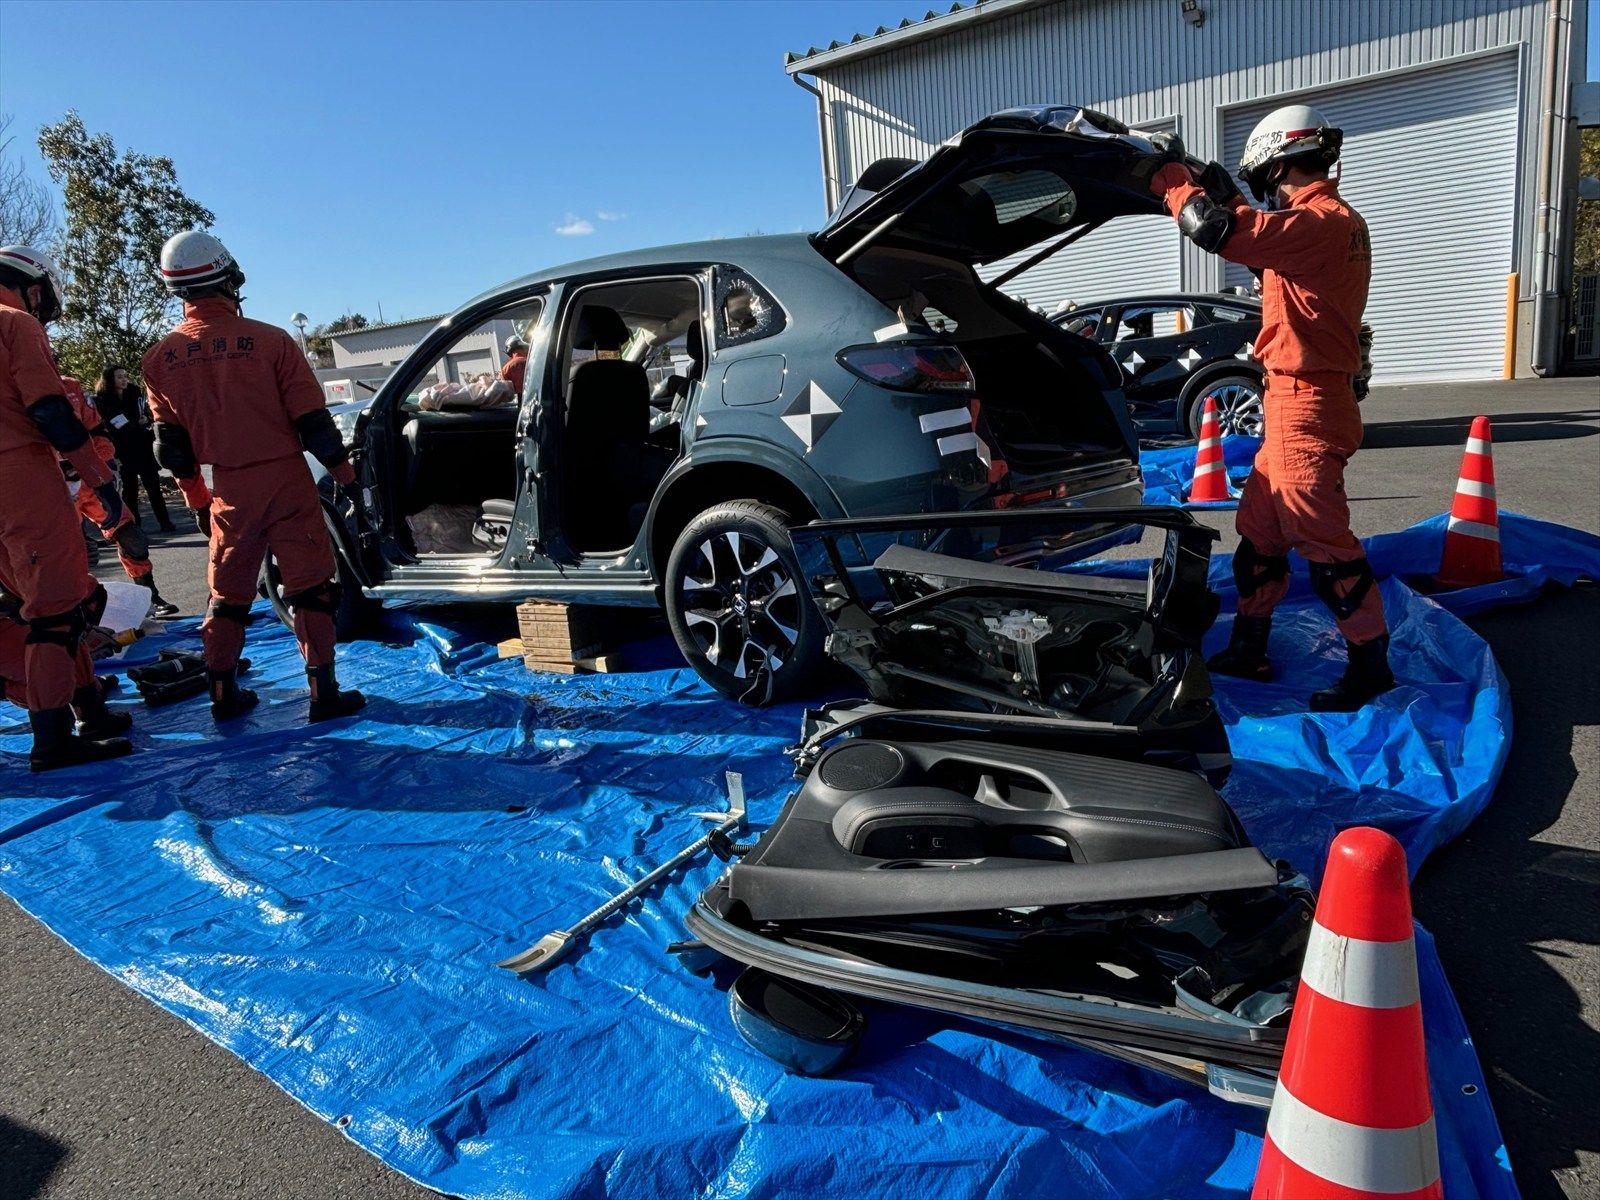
x: 1169, y: 471
x: 329, y: 904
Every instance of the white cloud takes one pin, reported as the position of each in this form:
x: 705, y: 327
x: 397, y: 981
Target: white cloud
x: 612, y: 216
x: 574, y: 226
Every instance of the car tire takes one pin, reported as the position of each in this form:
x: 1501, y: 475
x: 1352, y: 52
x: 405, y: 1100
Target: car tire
x: 732, y: 577
x: 350, y: 620
x: 1240, y: 405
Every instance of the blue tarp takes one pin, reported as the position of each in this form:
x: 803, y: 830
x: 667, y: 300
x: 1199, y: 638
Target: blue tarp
x: 328, y: 905
x: 1169, y: 471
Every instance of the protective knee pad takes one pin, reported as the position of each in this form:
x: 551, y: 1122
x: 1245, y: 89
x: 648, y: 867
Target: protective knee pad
x: 58, y: 629
x: 221, y: 610
x: 94, y: 606
x: 324, y: 598
x: 132, y: 541
x: 1253, y: 570
x: 1325, y: 577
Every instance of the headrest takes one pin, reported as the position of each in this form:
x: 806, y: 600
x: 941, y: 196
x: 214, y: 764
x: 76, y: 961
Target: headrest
x: 695, y: 346
x: 600, y: 328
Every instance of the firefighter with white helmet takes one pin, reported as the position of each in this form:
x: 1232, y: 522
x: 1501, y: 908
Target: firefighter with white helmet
x: 42, y: 557
x: 1314, y: 258
x: 237, y: 395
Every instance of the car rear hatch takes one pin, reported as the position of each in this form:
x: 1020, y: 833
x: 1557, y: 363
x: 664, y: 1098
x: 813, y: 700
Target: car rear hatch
x: 1023, y: 180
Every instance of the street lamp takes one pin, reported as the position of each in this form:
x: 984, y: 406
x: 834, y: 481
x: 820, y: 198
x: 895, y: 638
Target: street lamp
x: 299, y: 321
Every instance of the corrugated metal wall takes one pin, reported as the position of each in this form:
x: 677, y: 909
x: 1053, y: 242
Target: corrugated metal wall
x: 1139, y: 61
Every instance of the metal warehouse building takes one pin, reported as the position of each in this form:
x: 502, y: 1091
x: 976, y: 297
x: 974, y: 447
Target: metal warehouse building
x: 1460, y: 145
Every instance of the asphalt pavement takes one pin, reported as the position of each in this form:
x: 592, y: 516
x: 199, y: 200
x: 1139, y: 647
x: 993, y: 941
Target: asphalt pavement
x: 104, y: 1095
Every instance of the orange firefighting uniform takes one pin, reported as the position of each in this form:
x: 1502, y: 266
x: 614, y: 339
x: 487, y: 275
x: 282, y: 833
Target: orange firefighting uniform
x: 137, y: 565
x: 1316, y: 264
x: 513, y: 372
x: 14, y: 655
x: 42, y: 554
x: 237, y: 385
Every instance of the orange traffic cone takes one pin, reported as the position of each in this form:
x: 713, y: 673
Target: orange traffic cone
x: 1472, y: 540
x: 1352, y: 1118
x: 1210, y: 474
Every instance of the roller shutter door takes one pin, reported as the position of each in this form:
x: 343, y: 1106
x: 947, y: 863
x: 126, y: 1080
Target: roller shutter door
x: 1131, y: 256
x: 1430, y: 161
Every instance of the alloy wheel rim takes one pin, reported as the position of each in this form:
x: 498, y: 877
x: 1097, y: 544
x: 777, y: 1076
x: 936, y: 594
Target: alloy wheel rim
x: 741, y: 604
x: 1239, y: 409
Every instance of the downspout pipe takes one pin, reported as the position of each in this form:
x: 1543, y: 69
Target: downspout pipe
x: 830, y: 181
x: 1552, y: 155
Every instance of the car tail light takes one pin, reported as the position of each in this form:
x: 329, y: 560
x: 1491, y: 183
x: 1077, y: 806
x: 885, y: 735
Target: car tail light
x: 903, y: 367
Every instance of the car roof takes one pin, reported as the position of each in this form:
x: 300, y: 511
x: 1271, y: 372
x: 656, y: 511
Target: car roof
x: 741, y: 251
x: 1169, y: 298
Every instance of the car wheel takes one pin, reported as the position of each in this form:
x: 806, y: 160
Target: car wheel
x: 1240, y: 408
x: 737, y: 606
x: 351, y: 618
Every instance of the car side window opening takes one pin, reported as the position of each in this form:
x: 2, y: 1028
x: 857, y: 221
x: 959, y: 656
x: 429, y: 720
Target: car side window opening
x: 1153, y: 320
x: 742, y: 310
x: 633, y: 351
x: 454, y: 444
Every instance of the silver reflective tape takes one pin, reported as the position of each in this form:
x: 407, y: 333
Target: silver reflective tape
x: 1386, y: 1161
x: 1370, y: 974
x: 890, y: 331
x: 1473, y: 488
x: 1478, y: 446
x: 958, y: 442
x: 1474, y: 529
x: 950, y: 418
x: 1207, y: 468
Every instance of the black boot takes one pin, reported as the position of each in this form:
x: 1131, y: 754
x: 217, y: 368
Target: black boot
x: 327, y: 701
x: 228, y: 699
x: 55, y: 745
x: 160, y: 609
x: 1366, y: 676
x: 1246, y: 655
x: 95, y: 721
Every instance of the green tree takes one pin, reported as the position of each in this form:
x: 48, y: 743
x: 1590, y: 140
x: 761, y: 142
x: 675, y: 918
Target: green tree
x: 120, y: 208
x: 1586, y: 231
x: 319, y: 341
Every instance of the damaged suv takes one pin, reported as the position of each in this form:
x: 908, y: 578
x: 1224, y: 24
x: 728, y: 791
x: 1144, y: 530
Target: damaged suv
x: 683, y: 406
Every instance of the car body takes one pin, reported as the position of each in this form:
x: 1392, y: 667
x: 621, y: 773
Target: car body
x: 682, y: 406
x: 1174, y: 350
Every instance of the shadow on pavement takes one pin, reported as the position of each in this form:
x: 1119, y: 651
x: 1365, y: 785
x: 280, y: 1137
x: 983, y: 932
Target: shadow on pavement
x: 1508, y: 427
x: 1500, y: 902
x: 28, y: 1159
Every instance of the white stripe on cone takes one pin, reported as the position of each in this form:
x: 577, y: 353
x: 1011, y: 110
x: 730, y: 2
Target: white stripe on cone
x: 1474, y: 529
x: 1355, y: 971
x: 1479, y: 446
x: 1386, y: 1161
x: 1473, y: 487
x: 1207, y: 468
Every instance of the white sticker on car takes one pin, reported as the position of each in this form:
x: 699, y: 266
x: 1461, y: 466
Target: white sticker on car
x: 890, y: 331
x: 950, y: 418
x: 811, y: 414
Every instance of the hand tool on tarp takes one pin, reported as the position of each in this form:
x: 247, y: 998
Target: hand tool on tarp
x: 553, y: 945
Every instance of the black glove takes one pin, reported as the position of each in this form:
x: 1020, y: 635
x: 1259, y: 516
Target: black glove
x: 202, y: 520
x: 1218, y: 183
x: 111, y: 501
x: 1170, y: 147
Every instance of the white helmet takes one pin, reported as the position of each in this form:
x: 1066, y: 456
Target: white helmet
x: 23, y: 266
x: 1294, y: 131
x: 193, y: 260
x: 516, y: 342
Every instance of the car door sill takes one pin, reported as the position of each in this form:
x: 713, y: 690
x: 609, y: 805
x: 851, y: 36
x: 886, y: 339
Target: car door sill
x: 453, y: 582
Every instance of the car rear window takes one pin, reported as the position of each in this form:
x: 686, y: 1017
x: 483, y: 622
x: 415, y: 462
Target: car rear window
x: 1017, y: 195
x: 744, y: 310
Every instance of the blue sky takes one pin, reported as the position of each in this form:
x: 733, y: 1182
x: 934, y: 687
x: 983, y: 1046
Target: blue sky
x: 413, y: 154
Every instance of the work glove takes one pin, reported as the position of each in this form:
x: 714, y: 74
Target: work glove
x: 202, y: 520
x: 1170, y: 146
x: 110, y: 500
x: 1218, y: 182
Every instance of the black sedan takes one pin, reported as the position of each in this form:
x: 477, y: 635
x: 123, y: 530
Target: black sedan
x: 1175, y: 350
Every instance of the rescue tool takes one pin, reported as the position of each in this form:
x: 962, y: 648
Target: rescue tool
x: 552, y: 946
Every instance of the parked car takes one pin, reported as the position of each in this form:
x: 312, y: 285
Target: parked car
x: 1174, y: 350
x: 684, y: 406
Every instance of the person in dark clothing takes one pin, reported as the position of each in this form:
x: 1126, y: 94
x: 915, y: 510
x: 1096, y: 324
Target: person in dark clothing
x: 121, y: 407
